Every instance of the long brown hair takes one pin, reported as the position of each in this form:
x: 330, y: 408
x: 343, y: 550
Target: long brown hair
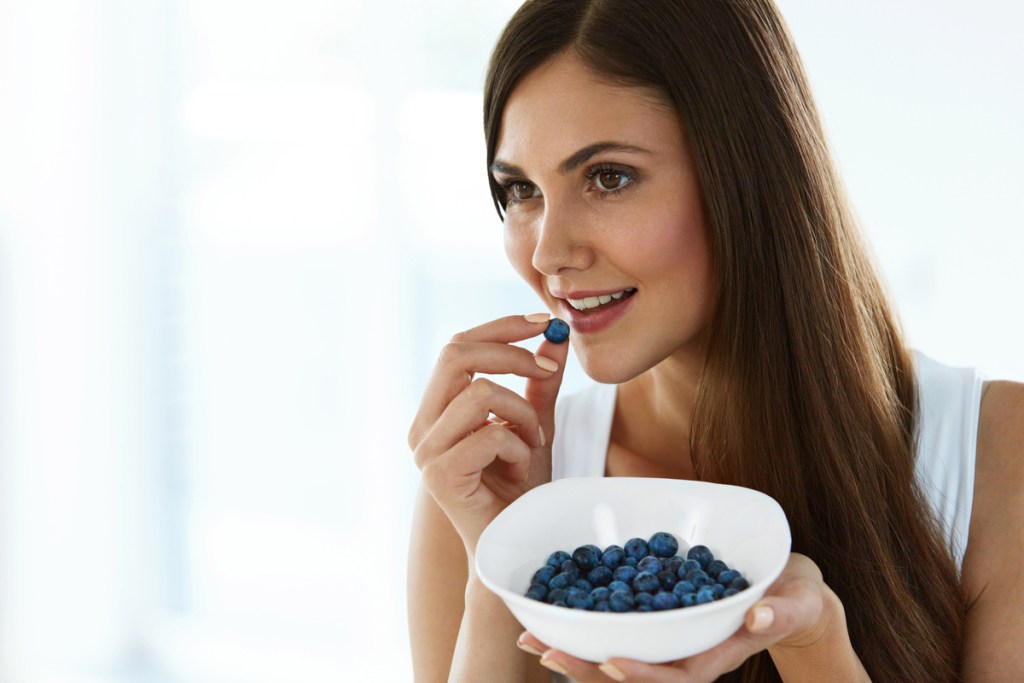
x: 807, y: 392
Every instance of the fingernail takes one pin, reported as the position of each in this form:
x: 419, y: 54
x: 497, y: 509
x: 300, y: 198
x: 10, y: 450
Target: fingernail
x: 546, y: 363
x: 526, y: 647
x: 543, y: 441
x: 763, y: 618
x: 554, y: 666
x: 538, y: 317
x: 612, y: 671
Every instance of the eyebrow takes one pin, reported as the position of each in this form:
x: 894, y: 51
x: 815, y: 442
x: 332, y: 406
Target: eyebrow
x: 574, y: 161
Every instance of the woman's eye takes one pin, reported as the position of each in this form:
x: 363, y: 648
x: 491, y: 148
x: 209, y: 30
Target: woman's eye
x: 522, y: 190
x: 609, y: 181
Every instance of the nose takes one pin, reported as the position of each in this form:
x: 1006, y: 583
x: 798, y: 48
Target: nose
x: 562, y: 241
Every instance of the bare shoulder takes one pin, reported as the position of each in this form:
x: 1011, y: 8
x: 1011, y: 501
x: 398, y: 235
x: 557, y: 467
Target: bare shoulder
x: 993, y: 566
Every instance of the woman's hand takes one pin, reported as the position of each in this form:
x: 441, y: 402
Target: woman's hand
x: 474, y: 465
x: 800, y: 621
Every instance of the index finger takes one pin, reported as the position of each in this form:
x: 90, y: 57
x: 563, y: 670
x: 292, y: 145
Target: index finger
x: 511, y: 328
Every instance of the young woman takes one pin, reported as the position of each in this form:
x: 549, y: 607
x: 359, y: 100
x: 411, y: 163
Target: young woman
x: 665, y: 157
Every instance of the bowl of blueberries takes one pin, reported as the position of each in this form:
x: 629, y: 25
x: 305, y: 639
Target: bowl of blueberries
x: 649, y: 569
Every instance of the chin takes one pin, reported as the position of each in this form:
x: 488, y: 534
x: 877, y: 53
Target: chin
x: 608, y: 371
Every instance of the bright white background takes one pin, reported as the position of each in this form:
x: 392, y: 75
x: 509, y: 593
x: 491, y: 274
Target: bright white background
x: 233, y: 238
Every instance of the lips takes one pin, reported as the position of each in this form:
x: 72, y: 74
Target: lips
x: 593, y: 320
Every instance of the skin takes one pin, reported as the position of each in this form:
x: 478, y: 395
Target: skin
x: 570, y: 230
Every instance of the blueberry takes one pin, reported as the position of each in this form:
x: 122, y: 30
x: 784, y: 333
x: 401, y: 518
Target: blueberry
x: 715, y: 568
x: 580, y: 601
x: 543, y: 575
x: 672, y: 564
x: 600, y: 576
x: 702, y: 554
x: 570, y: 568
x: 621, y: 601
x: 663, y: 544
x: 558, y: 595
x: 698, y: 577
x: 649, y: 564
x: 625, y: 573
x: 739, y: 583
x: 688, y: 566
x: 643, y: 599
x: 665, y: 600
x: 645, y: 582
x: 668, y: 580
x: 645, y: 608
x: 705, y: 595
x: 584, y: 585
x: 537, y: 592
x: 683, y: 587
x: 636, y: 548
x: 718, y: 589
x: 559, y: 603
x: 688, y: 599
x: 602, y: 606
x: 619, y: 586
x: 586, y: 557
x: 600, y: 593
x: 557, y: 331
x: 629, y: 561
x: 613, y: 556
x: 557, y: 558
x: 726, y: 577
x: 729, y: 592
x: 562, y: 580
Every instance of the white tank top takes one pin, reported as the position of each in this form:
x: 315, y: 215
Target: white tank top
x: 949, y: 399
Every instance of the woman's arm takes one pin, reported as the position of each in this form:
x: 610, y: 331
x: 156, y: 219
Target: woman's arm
x: 446, y: 608
x: 993, y: 568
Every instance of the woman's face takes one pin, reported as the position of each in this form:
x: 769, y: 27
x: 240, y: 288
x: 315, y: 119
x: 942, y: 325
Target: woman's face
x: 603, y: 199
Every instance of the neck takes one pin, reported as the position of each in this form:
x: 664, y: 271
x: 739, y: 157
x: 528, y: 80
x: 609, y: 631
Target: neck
x: 653, y: 414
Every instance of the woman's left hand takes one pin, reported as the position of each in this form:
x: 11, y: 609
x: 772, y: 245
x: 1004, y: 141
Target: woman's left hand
x: 795, y: 613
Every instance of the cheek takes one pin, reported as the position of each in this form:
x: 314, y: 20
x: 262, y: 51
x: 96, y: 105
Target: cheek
x: 519, y: 249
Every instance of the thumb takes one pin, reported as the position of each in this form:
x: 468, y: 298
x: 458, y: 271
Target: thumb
x: 542, y: 393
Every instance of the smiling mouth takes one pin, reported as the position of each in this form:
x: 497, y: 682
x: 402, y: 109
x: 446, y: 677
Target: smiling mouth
x: 598, y: 303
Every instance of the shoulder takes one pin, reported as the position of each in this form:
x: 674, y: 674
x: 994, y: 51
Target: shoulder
x: 993, y: 570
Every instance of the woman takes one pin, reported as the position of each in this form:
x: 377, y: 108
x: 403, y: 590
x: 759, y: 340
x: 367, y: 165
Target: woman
x: 667, y: 154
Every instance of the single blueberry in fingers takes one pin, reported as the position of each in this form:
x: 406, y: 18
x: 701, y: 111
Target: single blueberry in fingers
x: 557, y: 331
x: 663, y: 544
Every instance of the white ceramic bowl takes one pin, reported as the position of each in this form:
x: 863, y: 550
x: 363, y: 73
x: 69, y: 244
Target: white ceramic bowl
x: 744, y: 528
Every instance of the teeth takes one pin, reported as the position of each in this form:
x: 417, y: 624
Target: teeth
x: 595, y: 301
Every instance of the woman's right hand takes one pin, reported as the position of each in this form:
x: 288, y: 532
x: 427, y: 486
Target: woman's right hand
x: 474, y: 466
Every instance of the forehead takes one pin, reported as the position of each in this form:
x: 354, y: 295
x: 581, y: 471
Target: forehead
x: 563, y: 106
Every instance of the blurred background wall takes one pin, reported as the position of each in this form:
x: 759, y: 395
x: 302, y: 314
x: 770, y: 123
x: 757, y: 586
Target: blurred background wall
x: 234, y: 237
